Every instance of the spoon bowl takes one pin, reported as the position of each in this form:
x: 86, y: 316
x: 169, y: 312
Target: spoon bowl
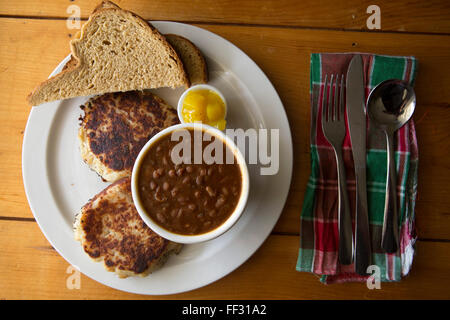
x: 391, y: 104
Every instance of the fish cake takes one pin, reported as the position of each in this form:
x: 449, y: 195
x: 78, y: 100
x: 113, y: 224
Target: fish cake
x: 111, y: 230
x: 115, y: 127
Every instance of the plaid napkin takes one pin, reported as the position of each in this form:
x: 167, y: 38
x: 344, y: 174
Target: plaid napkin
x: 319, y: 228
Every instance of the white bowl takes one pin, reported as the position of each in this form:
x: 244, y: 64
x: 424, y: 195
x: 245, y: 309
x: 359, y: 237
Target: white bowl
x: 204, y: 236
x: 198, y: 87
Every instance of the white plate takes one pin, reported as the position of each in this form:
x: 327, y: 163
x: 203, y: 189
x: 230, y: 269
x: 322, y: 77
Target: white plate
x: 58, y: 183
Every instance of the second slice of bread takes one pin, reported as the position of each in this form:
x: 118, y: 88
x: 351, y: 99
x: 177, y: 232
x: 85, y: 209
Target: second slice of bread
x: 192, y: 58
x: 117, y: 51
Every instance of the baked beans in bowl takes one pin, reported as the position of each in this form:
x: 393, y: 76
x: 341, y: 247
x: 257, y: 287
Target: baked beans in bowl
x: 190, y: 183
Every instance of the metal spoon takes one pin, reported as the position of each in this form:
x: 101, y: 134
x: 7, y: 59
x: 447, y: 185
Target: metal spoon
x: 390, y: 105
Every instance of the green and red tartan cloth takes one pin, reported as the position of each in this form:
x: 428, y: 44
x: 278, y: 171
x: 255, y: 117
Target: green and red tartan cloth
x: 318, y: 251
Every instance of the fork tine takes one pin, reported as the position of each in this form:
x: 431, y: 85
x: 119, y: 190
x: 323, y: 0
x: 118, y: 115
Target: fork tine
x: 324, y: 94
x: 336, y: 109
x: 330, y: 99
x: 341, y: 100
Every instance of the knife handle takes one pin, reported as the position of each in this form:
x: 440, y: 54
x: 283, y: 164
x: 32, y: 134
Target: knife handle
x: 389, y: 238
x: 363, y: 252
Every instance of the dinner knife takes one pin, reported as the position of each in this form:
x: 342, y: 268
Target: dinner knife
x: 357, y: 126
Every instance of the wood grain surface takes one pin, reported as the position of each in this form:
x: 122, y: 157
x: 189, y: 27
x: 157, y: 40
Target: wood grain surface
x: 45, y: 275
x: 432, y: 16
x: 279, y: 36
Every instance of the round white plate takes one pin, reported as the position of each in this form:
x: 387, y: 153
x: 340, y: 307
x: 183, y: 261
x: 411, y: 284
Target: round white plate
x: 58, y: 183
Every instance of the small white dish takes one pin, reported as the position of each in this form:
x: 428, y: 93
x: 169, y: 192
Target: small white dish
x: 180, y: 238
x: 199, y: 87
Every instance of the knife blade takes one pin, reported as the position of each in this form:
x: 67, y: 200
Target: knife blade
x: 356, y: 115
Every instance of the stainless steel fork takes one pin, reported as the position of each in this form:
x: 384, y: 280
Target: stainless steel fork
x: 333, y: 127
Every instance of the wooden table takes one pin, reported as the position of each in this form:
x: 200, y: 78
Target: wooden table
x: 279, y: 36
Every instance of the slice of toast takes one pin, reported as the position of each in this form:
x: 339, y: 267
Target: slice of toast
x: 116, y: 51
x: 190, y: 55
x: 192, y: 58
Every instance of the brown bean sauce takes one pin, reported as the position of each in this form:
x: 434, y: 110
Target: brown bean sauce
x: 188, y: 199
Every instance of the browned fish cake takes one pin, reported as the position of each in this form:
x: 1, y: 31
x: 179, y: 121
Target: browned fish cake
x: 111, y: 230
x: 116, y: 126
